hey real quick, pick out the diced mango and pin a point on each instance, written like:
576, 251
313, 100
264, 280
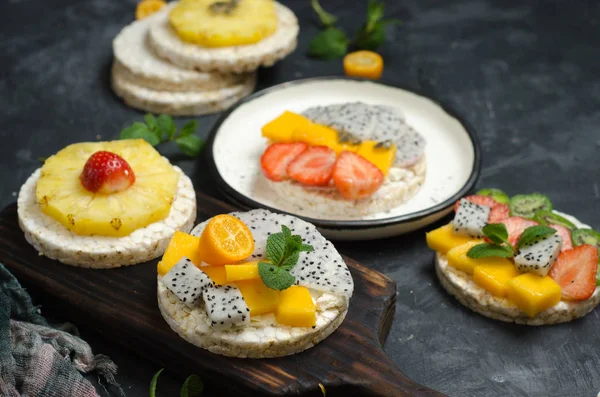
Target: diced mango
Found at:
181, 245
381, 157
259, 298
242, 271
443, 239
296, 307
281, 129
458, 259
216, 274
316, 134
532, 293
494, 275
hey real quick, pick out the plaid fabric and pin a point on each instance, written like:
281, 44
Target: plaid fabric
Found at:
37, 359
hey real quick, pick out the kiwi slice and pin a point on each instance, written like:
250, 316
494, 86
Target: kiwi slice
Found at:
496, 194
585, 236
598, 275
550, 218
526, 205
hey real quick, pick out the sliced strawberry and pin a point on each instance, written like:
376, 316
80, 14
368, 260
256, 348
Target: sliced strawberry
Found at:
515, 226
575, 272
355, 177
565, 234
313, 167
277, 157
499, 213
106, 173
479, 200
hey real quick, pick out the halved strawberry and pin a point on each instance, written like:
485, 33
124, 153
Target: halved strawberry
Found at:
277, 157
106, 172
515, 226
575, 272
499, 213
565, 234
479, 200
355, 177
313, 167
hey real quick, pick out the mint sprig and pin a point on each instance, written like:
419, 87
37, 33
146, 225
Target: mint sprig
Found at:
162, 129
533, 233
327, 19
499, 246
192, 387
283, 252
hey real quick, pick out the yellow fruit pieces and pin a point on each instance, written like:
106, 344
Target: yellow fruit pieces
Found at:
366, 64
533, 294
383, 158
216, 274
296, 307
316, 134
458, 259
495, 275
225, 240
282, 128
241, 271
259, 298
146, 8
443, 239
181, 245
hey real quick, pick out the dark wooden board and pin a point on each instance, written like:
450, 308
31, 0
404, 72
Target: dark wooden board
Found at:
121, 304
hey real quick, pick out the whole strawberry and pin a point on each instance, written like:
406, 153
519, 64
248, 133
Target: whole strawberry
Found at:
106, 173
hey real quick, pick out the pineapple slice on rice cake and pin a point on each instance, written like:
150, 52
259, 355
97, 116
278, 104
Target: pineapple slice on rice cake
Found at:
105, 204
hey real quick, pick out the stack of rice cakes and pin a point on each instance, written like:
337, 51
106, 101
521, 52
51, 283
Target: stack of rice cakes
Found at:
154, 70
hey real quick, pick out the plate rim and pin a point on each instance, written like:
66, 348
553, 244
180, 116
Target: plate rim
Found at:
239, 198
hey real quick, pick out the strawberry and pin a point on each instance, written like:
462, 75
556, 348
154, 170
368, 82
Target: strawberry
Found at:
515, 226
277, 157
106, 172
575, 272
313, 167
499, 213
479, 200
355, 177
563, 232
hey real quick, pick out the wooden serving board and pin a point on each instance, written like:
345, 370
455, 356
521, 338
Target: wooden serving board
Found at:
122, 305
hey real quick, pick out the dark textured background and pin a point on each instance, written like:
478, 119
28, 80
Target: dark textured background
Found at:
526, 76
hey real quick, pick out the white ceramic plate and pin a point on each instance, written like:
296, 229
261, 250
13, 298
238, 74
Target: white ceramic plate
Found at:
452, 153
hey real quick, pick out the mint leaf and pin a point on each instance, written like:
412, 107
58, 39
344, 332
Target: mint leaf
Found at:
374, 13
290, 261
152, 124
140, 131
275, 277
486, 250
496, 232
192, 387
166, 126
153, 383
329, 44
533, 233
276, 244
326, 18
188, 129
370, 38
190, 145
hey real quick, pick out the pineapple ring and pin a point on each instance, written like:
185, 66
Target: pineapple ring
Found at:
53, 240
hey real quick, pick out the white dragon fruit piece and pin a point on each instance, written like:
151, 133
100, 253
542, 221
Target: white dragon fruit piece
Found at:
470, 219
186, 281
225, 306
539, 255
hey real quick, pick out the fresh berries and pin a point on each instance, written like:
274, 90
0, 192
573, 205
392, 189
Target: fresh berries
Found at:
479, 200
499, 213
575, 272
355, 177
516, 226
565, 234
106, 172
313, 167
277, 157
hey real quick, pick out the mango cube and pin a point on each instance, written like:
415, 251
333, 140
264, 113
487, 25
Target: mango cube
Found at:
493, 276
181, 245
533, 294
216, 273
381, 157
458, 259
443, 239
296, 307
281, 129
259, 298
316, 134
242, 271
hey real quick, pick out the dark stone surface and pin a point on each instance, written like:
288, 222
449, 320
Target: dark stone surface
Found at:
525, 75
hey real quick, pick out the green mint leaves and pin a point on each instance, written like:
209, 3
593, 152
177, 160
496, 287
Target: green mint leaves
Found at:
192, 387
161, 129
333, 42
499, 246
283, 252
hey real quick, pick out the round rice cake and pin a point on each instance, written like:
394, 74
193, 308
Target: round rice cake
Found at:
235, 59
178, 103
141, 66
53, 240
461, 285
263, 337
